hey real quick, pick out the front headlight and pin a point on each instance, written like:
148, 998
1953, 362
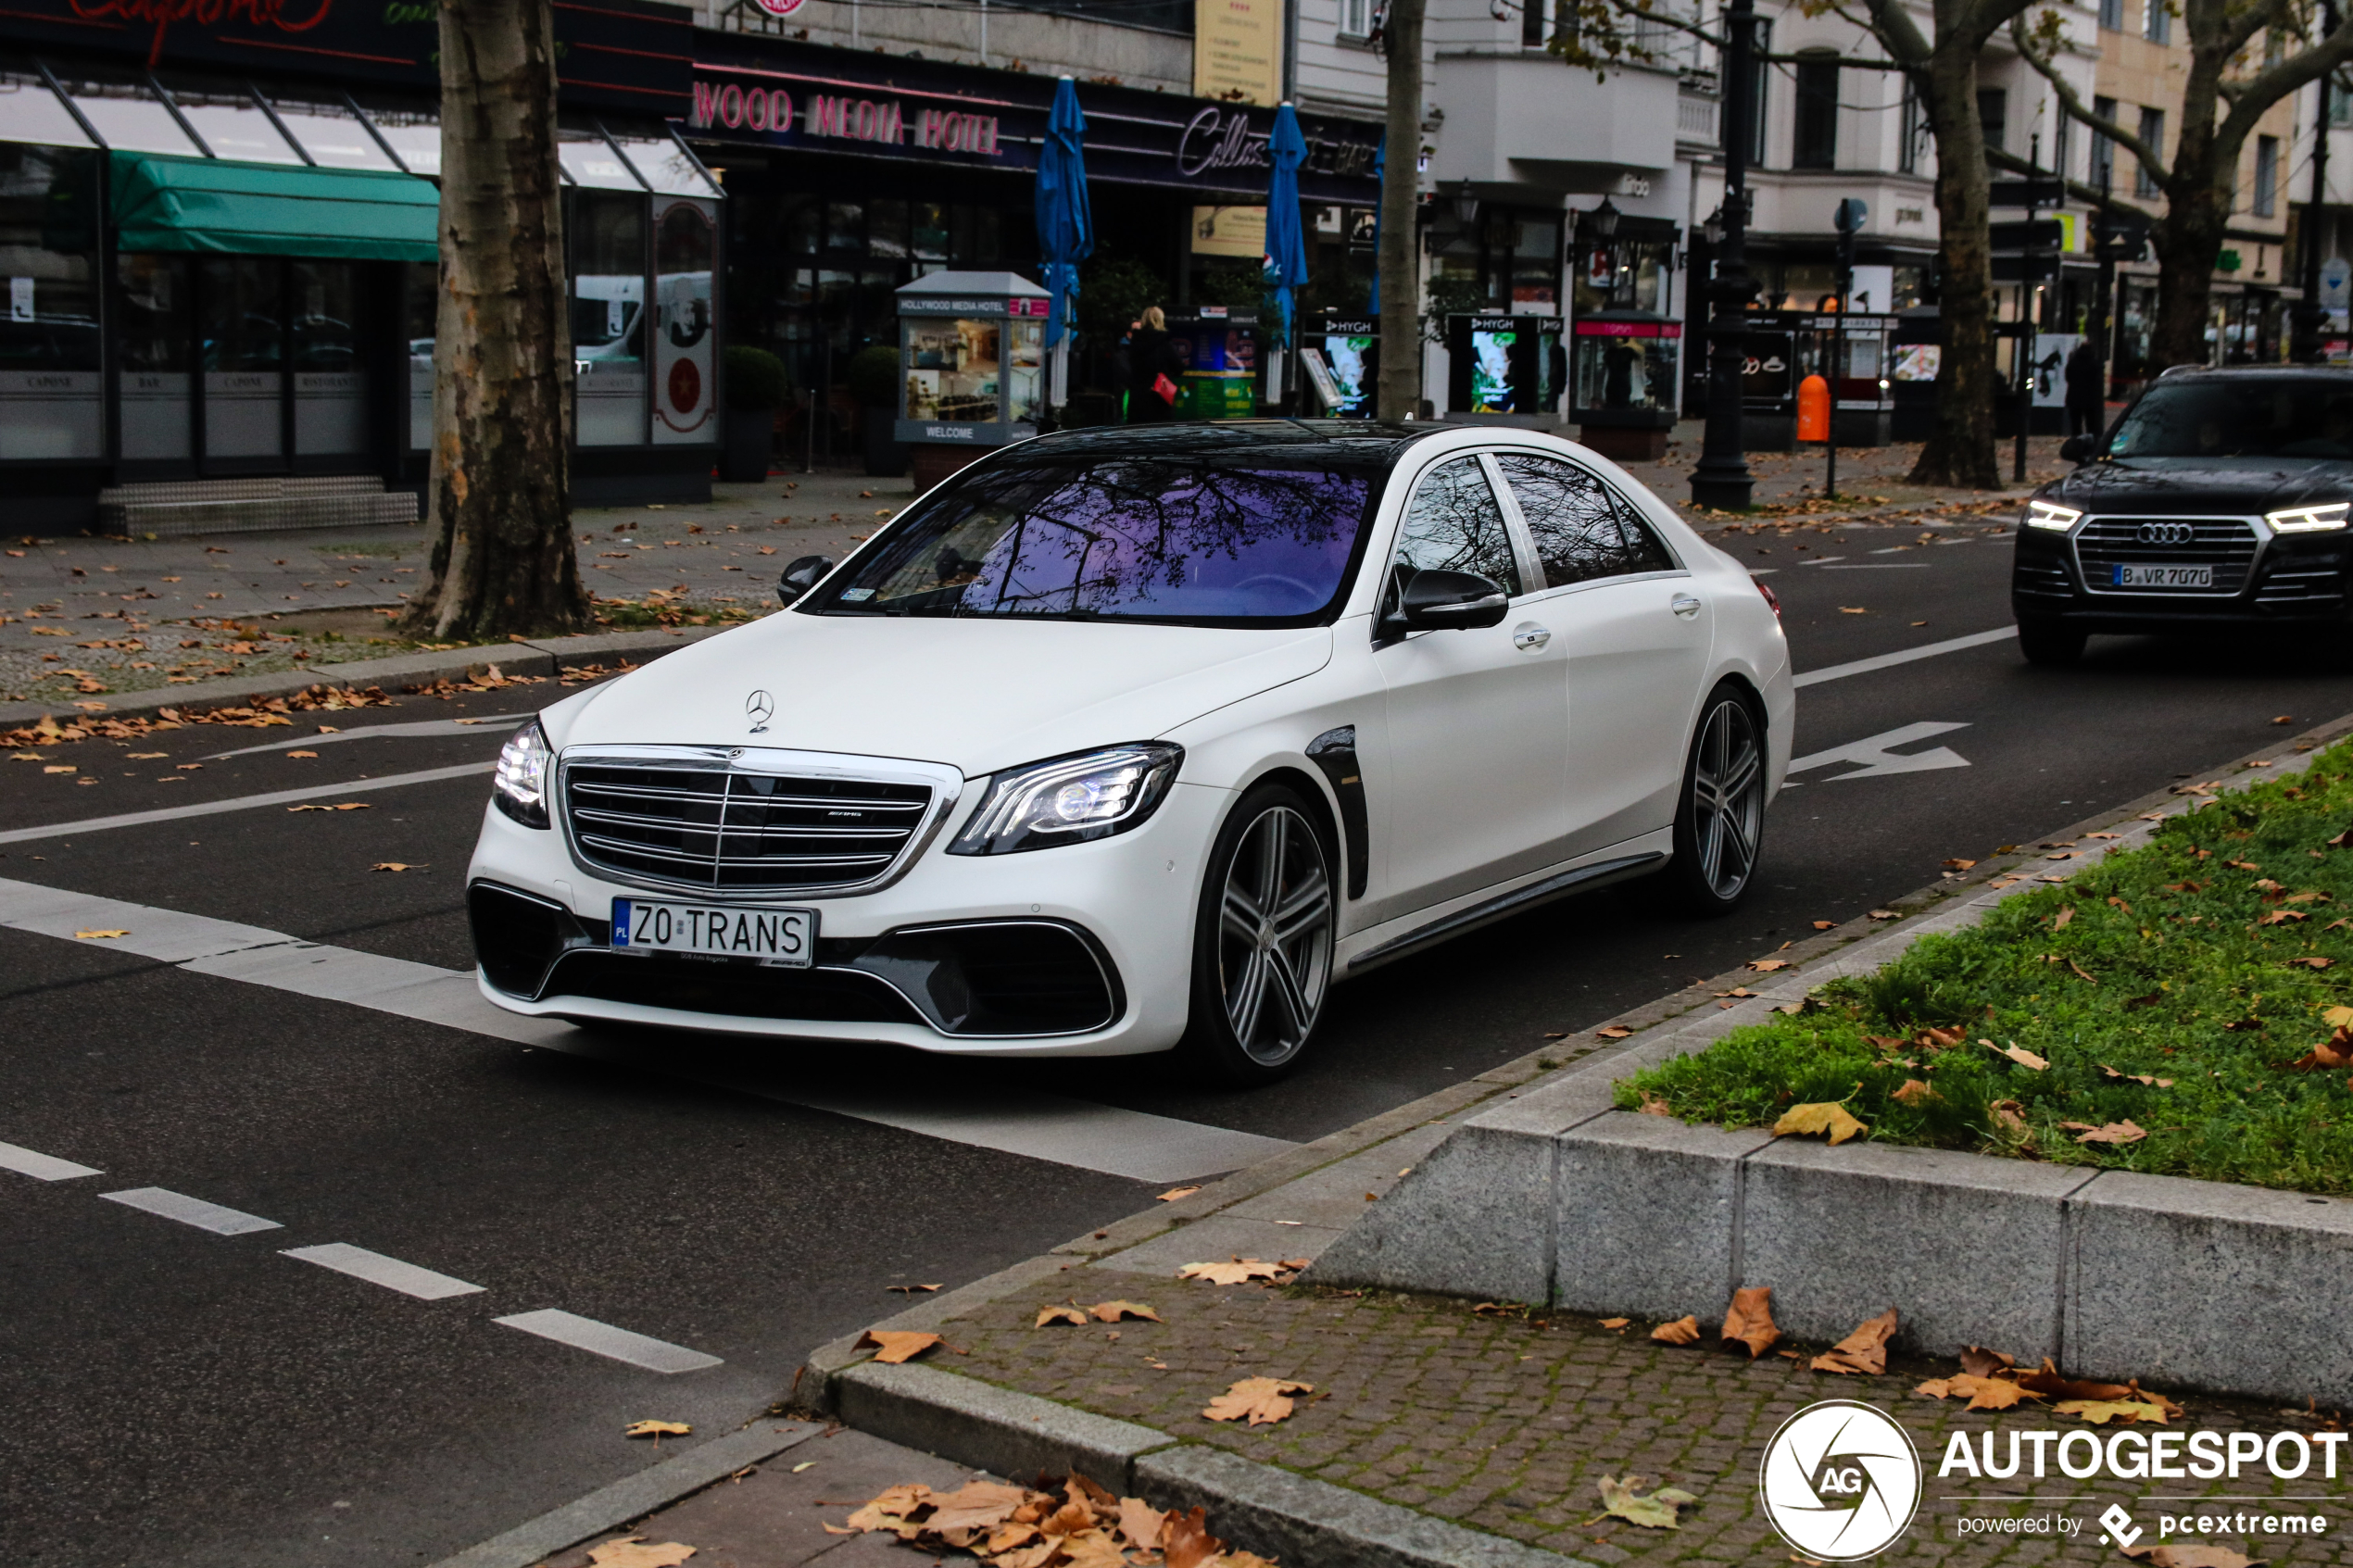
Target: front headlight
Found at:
519, 785
2309, 520
1070, 799
2043, 514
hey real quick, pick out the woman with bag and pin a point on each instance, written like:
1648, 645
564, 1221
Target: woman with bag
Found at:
1152, 369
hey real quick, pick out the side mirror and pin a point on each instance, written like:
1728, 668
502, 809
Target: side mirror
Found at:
1450, 601
801, 576
2076, 449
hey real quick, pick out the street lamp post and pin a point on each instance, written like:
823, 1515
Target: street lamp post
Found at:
1722, 479
2310, 316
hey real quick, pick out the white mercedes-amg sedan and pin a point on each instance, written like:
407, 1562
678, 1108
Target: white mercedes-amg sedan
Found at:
1142, 739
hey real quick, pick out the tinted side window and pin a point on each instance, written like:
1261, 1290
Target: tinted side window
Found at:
1582, 529
1455, 525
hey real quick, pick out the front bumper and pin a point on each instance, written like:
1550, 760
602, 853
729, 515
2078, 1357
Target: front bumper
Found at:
1083, 950
2286, 581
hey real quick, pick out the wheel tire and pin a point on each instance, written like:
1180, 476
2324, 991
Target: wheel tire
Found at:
1719, 819
2049, 642
1259, 984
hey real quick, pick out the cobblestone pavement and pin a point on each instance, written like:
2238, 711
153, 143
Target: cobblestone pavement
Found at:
1507, 1422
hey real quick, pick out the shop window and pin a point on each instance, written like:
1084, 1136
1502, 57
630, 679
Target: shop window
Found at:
420, 302
50, 392
608, 318
127, 115
329, 383
988, 247
1815, 144
930, 238
232, 126
155, 334
845, 226
685, 241
240, 303
887, 229
803, 226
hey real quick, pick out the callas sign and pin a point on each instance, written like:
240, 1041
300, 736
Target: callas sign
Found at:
781, 93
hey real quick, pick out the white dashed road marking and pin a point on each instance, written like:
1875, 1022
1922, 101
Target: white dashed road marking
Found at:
192, 1211
42, 1167
240, 803
588, 1334
377, 1269
491, 725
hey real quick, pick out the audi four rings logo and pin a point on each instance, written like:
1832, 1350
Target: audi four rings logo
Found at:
760, 707
2167, 532
1841, 1481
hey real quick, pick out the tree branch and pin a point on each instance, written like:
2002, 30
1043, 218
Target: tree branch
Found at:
2151, 159
2255, 95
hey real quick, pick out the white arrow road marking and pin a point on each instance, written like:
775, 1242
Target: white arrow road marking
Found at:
1878, 757
423, 727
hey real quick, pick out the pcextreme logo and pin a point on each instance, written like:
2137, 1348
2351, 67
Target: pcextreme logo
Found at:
1841, 1481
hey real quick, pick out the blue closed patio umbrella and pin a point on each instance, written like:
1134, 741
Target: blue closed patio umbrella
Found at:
1066, 226
1286, 241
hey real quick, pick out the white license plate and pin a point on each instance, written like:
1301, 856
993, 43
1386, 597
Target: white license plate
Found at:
778, 936
2164, 576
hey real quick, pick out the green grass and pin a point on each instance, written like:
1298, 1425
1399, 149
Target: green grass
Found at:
2162, 970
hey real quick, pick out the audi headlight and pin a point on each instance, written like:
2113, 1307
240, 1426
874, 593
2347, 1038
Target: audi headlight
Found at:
2309, 520
519, 785
1070, 799
2043, 514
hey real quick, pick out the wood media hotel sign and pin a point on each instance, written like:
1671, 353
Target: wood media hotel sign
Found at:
780, 92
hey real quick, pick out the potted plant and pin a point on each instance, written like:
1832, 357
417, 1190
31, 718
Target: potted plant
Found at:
755, 389
873, 382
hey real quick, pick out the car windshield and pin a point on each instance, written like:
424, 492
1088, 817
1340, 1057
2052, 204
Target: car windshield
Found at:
2276, 416
1196, 539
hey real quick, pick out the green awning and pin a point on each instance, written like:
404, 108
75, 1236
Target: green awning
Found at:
229, 208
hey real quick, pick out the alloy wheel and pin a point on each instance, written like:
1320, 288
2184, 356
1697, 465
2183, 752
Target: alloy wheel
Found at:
1274, 935
1728, 797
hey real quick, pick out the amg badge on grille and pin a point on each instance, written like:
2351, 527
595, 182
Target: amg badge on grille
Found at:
760, 707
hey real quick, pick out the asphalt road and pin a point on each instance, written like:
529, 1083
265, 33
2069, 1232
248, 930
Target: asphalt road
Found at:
181, 1397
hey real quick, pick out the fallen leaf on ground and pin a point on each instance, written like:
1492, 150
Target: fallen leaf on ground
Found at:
1060, 1314
1827, 1117
1185, 1540
1826, 925
1767, 966
2280, 917
1616, 1322
1237, 1271
1853, 609
1958, 865
2313, 963
977, 1505
1683, 1331
912, 1289
636, 1552
2064, 916
394, 866
1173, 1194
1914, 1092
1886, 914
1750, 1320
2099, 1412
2019, 1054
891, 1347
656, 1429
1865, 1350
1615, 1031
1263, 1401
1142, 1524
1982, 1393
2330, 1054
1656, 1511
2136, 1077
1112, 1312
99, 935
2123, 1131
1979, 1361
2011, 1114
302, 754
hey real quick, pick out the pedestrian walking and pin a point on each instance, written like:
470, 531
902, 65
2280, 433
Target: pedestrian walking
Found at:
2086, 390
1152, 369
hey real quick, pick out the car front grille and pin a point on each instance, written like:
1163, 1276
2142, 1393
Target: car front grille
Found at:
2227, 543
714, 825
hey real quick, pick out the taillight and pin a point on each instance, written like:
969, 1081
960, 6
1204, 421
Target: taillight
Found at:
1766, 589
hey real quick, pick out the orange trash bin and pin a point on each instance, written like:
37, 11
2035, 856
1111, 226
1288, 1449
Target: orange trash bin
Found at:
1813, 410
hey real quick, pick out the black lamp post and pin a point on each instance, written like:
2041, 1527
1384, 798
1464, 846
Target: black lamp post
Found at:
1722, 479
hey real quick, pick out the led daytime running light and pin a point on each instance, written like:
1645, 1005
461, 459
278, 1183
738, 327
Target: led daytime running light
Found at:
2043, 514
1069, 799
2308, 520
518, 787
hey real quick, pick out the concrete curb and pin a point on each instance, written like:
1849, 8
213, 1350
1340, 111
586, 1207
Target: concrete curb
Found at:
1558, 1197
543, 657
634, 1497
1000, 1430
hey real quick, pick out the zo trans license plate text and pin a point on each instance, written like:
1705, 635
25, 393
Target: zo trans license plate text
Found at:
778, 937
2164, 576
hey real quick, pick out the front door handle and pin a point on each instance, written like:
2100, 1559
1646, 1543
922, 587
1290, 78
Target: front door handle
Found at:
1527, 636
1684, 605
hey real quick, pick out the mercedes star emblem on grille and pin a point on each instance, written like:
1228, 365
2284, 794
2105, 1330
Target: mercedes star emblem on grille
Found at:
760, 707
2167, 532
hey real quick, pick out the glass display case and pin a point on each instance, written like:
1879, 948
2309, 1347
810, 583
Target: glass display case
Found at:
1624, 381
1504, 365
972, 354
1219, 347
1342, 356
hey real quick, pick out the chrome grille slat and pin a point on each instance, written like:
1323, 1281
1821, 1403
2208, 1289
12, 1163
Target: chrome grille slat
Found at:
2227, 543
731, 829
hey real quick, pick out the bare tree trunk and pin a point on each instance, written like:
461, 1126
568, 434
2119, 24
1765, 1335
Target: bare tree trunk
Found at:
1401, 293
502, 554
2188, 241
1960, 451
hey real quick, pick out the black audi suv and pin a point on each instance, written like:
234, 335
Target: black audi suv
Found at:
2217, 500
